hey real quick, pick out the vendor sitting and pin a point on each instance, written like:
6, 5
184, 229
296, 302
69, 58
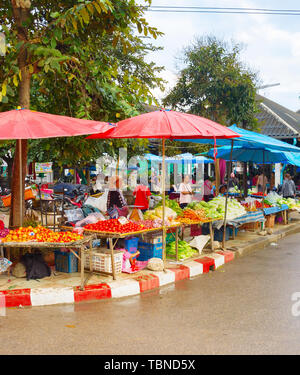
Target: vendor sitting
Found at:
116, 203
223, 190
129, 261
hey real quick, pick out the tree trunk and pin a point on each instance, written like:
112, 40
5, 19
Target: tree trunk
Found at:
20, 16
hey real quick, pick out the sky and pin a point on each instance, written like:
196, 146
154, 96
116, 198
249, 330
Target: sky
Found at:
271, 42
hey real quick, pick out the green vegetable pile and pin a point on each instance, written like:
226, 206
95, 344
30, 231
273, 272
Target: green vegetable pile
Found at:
216, 208
292, 203
184, 249
171, 203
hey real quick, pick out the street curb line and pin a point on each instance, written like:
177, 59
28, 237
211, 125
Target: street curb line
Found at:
116, 288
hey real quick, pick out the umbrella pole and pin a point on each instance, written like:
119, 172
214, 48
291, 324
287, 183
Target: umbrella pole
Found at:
21, 182
164, 198
263, 194
226, 199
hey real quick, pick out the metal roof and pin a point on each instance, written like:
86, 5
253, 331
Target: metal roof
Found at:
278, 121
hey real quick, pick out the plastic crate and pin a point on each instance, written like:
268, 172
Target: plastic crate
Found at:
66, 261
218, 234
148, 251
101, 261
131, 244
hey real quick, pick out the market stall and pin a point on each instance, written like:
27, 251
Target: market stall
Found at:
41, 238
165, 124
248, 143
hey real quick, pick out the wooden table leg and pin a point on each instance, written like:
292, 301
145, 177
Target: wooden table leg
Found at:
211, 231
91, 255
176, 243
82, 255
285, 217
233, 232
111, 246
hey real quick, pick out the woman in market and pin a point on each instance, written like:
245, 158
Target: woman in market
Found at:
288, 188
207, 189
261, 181
186, 192
116, 203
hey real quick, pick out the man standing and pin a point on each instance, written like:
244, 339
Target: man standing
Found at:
288, 188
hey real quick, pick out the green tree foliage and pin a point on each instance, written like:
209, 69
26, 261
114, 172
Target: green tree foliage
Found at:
215, 84
85, 59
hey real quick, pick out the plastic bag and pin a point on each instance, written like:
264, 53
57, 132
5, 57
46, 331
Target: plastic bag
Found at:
74, 215
100, 202
199, 242
90, 219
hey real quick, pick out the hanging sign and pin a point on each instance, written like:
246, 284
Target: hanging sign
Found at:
43, 167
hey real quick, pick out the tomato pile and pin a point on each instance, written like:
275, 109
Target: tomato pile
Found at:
114, 226
258, 204
40, 234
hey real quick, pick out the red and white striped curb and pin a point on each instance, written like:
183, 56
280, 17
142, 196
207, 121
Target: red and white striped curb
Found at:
117, 288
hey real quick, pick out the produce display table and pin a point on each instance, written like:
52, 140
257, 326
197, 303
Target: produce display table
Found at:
201, 222
276, 209
111, 236
284, 208
250, 217
80, 245
257, 196
234, 194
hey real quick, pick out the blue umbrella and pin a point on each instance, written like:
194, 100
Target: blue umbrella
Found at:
258, 156
249, 139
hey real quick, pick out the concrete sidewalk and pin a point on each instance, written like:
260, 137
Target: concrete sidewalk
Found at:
64, 288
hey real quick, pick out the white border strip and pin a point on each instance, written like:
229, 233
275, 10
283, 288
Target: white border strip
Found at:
51, 296
218, 258
196, 268
165, 278
124, 288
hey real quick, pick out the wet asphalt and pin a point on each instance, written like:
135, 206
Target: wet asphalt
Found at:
245, 307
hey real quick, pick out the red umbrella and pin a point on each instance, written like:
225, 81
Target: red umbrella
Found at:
26, 124
167, 124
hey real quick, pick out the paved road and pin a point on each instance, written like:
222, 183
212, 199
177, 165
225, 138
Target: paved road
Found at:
242, 308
